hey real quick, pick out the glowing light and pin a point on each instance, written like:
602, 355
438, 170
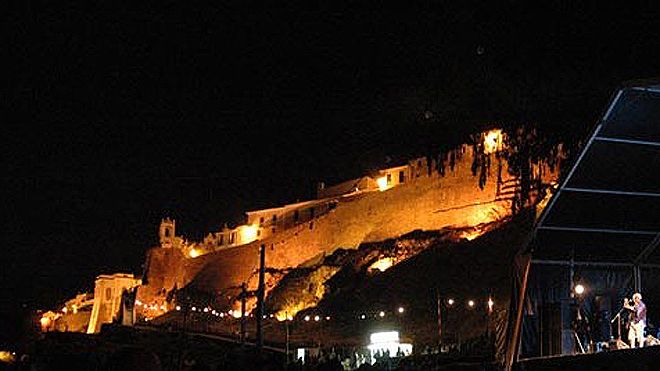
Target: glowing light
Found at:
493, 141
382, 264
307, 318
387, 341
381, 314
327, 318
289, 318
162, 307
193, 309
178, 307
236, 314
382, 183
450, 301
579, 289
384, 337
471, 303
363, 316
248, 233
64, 310
317, 318
491, 303
194, 253
291, 310
401, 310
45, 321
471, 234
7, 357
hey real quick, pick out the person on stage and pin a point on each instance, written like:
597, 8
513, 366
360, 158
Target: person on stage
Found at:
638, 320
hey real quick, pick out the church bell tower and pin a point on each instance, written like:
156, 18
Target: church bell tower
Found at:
166, 232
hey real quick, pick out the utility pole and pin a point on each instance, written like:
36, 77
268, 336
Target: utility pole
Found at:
286, 327
260, 296
243, 317
439, 316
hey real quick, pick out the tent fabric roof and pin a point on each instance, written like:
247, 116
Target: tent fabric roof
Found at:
607, 208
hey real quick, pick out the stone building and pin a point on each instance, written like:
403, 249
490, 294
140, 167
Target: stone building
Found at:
108, 291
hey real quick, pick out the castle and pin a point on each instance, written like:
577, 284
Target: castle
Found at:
468, 186
261, 224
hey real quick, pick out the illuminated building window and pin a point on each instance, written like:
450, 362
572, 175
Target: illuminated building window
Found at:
402, 177
389, 179
108, 294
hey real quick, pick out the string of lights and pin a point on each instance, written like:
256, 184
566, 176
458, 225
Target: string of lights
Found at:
448, 303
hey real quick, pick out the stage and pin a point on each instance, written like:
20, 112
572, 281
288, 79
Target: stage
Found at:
647, 358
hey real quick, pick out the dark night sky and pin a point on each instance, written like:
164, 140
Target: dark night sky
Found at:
122, 114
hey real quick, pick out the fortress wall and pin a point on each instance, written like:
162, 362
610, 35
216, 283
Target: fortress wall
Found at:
427, 203
165, 269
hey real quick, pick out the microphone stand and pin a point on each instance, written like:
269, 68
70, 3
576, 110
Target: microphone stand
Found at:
618, 325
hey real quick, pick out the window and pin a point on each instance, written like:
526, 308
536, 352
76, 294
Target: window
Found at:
389, 178
274, 219
222, 239
108, 294
296, 215
261, 220
312, 212
167, 232
402, 177
231, 237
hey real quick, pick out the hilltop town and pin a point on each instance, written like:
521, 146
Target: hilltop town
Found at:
467, 187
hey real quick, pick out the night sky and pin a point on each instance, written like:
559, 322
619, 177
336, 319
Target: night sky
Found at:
120, 114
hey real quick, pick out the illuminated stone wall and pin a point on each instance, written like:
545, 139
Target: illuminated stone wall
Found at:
426, 202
